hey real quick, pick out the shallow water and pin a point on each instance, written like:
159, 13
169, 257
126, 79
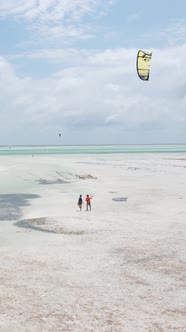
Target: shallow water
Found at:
97, 149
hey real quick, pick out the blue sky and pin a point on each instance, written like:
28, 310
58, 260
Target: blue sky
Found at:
70, 66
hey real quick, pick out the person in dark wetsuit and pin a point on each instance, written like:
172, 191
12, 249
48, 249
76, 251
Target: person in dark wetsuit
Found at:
80, 202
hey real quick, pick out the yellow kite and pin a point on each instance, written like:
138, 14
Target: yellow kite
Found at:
143, 65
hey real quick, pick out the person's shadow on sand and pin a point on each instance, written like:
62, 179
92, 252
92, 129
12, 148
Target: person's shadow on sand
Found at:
11, 204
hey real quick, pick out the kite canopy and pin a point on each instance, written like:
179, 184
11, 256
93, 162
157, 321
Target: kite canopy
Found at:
143, 65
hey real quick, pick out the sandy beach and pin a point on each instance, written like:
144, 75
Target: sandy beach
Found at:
119, 268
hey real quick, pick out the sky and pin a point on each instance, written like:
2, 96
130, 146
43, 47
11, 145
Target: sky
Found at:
69, 67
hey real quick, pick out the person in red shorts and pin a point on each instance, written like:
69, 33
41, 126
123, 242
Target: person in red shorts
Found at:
88, 202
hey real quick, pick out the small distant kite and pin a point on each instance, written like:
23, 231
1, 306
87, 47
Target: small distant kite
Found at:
59, 135
143, 65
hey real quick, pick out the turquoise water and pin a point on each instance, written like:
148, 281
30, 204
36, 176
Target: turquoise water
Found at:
97, 149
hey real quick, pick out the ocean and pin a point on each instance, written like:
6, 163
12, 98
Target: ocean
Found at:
90, 149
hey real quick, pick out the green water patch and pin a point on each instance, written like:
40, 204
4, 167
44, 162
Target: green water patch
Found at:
111, 149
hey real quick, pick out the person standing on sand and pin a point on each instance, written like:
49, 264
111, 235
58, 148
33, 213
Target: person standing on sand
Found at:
88, 202
80, 202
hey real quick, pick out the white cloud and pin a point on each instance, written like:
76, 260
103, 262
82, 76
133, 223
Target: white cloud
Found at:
117, 57
65, 57
63, 31
170, 34
47, 10
54, 18
175, 32
102, 91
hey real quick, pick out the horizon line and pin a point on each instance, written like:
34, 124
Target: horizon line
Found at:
65, 145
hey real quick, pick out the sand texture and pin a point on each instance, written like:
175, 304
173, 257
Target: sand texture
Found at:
118, 268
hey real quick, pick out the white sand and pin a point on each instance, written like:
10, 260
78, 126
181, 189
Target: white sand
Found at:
118, 268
